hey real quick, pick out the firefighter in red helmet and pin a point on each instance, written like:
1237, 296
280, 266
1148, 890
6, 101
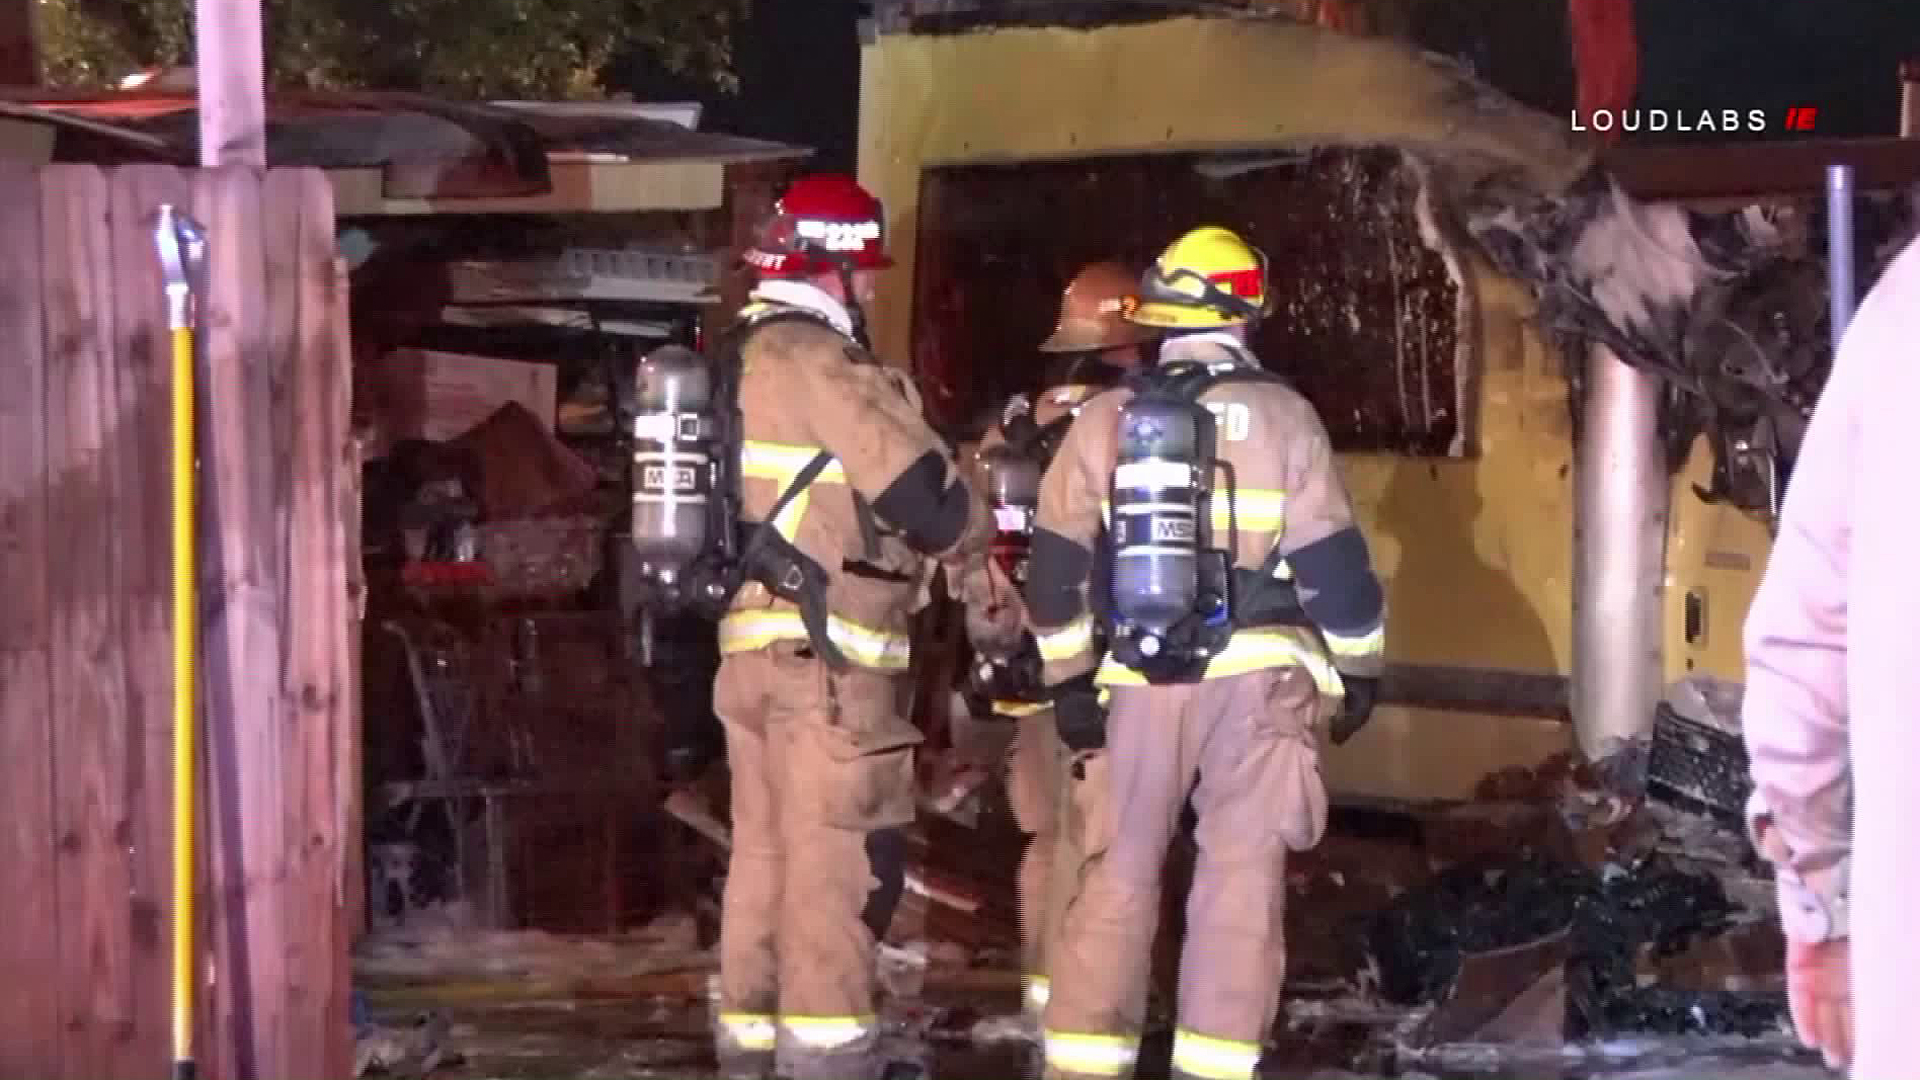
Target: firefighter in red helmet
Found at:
864, 499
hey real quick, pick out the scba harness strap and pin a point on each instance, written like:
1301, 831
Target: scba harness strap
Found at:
1237, 597
765, 555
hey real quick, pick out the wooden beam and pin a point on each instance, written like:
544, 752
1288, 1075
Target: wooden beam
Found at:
231, 77
580, 186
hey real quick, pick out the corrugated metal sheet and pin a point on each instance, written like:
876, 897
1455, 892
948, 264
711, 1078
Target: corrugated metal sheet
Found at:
425, 147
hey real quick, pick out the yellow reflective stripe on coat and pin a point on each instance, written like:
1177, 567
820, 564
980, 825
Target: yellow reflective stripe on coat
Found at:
1250, 650
1252, 509
827, 1032
780, 463
1067, 642
745, 631
1214, 1059
1018, 709
1371, 643
1091, 1055
749, 1031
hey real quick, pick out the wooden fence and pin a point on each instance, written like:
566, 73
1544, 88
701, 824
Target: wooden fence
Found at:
85, 673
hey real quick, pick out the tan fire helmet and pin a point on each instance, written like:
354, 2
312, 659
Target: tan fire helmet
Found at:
1094, 310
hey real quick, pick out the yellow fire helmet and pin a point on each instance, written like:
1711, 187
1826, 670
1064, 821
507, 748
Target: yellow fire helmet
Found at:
1207, 278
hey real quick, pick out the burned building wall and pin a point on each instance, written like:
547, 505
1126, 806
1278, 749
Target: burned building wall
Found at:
1369, 319
1476, 550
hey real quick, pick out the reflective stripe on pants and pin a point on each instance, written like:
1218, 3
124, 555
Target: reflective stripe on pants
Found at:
827, 1032
746, 1031
1208, 1058
1082, 1054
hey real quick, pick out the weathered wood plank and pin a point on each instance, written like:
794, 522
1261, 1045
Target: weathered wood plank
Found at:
315, 686
280, 236
241, 638
348, 872
29, 941
93, 829
352, 729
144, 560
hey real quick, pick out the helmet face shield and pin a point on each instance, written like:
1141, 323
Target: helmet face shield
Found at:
1184, 287
1208, 278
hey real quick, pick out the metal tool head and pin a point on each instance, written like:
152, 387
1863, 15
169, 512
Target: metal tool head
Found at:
182, 244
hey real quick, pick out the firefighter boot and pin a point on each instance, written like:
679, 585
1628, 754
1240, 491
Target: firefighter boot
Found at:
743, 1047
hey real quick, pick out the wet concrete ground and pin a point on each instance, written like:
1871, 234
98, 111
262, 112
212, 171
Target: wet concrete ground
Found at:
490, 1033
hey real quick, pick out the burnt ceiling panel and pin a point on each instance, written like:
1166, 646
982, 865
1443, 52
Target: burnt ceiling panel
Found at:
1368, 317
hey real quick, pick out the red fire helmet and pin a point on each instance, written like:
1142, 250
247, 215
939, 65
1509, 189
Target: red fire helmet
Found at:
821, 224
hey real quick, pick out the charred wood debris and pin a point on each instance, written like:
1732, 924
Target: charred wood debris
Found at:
1552, 907
1729, 309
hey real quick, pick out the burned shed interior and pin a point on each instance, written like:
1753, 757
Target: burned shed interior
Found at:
543, 831
1368, 317
515, 748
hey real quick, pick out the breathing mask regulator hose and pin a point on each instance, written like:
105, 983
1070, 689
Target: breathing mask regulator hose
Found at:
856, 315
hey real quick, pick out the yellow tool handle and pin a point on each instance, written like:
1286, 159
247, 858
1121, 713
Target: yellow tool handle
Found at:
185, 720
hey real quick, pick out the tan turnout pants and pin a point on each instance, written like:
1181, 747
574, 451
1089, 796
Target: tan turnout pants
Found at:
1036, 786
822, 774
1245, 747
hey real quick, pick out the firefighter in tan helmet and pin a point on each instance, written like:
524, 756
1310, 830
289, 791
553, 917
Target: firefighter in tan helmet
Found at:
1240, 612
1097, 343
861, 496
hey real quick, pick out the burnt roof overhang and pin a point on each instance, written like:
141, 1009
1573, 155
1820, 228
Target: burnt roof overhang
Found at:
1759, 170
425, 148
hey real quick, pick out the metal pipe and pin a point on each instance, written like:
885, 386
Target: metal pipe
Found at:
1619, 550
182, 247
1840, 260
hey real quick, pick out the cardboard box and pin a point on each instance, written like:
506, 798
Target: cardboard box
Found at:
441, 395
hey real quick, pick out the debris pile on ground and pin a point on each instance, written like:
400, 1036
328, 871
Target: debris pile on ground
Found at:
1668, 922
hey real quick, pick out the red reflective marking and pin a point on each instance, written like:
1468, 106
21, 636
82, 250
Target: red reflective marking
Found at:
1242, 283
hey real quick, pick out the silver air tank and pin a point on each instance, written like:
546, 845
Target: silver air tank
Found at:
1157, 499
673, 461
1013, 491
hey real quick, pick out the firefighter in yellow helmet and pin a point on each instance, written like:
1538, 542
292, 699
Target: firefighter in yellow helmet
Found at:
1240, 613
1097, 343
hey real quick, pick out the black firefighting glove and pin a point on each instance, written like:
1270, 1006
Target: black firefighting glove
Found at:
1005, 678
1355, 709
1078, 714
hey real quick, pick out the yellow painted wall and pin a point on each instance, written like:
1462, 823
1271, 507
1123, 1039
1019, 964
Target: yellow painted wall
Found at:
1475, 553
1720, 552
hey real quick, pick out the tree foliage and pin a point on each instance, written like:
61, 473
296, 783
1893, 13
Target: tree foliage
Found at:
471, 49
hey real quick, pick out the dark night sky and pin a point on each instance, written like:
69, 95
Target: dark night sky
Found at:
799, 63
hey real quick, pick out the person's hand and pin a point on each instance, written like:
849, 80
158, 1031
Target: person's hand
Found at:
1821, 997
1356, 708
